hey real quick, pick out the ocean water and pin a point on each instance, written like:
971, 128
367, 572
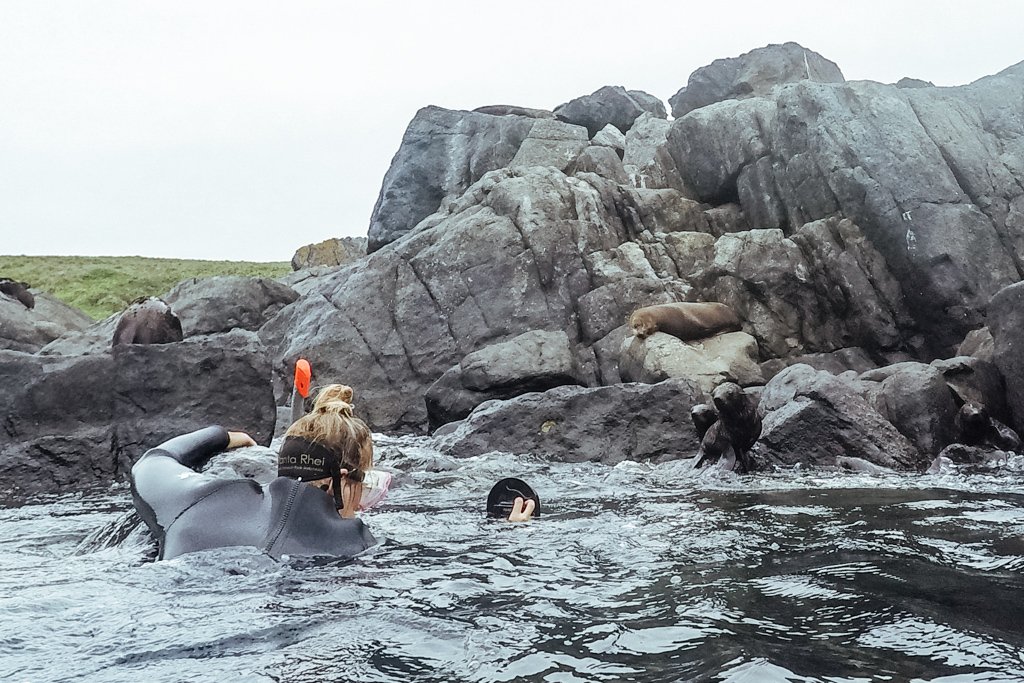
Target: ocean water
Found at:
632, 573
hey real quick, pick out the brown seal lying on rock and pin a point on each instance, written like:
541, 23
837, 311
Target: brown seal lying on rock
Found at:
148, 320
685, 320
19, 291
733, 433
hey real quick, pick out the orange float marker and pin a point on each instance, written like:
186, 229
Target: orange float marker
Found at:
303, 376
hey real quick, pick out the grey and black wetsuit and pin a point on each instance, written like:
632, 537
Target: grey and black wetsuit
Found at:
188, 511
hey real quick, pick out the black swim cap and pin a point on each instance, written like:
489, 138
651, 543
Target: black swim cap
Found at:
308, 461
503, 496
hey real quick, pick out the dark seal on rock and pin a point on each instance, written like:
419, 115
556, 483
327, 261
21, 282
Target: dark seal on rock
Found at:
685, 320
148, 320
19, 291
735, 431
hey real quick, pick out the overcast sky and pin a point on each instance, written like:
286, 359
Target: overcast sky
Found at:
243, 130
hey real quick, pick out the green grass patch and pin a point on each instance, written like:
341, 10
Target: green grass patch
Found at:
103, 285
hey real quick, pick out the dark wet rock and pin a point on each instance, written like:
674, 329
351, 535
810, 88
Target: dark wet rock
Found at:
81, 421
227, 302
917, 401
752, 74
331, 252
534, 361
974, 380
443, 152
30, 329
610, 105
929, 175
574, 424
1006, 321
811, 417
962, 454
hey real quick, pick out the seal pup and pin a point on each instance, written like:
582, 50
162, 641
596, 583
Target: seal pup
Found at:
147, 320
733, 434
684, 320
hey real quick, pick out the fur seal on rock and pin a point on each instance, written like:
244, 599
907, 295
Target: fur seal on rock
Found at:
734, 433
19, 291
684, 320
148, 320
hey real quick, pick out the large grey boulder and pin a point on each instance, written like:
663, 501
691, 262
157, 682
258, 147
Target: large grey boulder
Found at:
1006, 322
915, 398
730, 357
575, 424
646, 158
752, 74
30, 329
610, 105
534, 361
928, 175
227, 302
443, 152
76, 422
811, 417
974, 380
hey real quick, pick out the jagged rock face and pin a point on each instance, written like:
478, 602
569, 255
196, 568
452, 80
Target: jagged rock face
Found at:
30, 329
227, 302
751, 75
976, 381
443, 152
1006, 321
83, 420
931, 176
610, 105
574, 424
646, 158
814, 418
331, 252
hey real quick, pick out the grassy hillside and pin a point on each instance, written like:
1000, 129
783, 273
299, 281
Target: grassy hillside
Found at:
102, 285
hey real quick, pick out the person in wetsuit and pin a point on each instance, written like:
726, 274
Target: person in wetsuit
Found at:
309, 509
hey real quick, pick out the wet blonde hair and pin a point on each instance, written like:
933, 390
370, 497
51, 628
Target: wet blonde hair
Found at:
332, 424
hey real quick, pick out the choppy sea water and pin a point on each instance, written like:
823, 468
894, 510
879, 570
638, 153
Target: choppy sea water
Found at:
632, 573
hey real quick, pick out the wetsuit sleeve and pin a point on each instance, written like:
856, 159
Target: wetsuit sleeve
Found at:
165, 481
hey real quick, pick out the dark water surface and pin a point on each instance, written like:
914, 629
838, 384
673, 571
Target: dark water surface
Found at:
633, 573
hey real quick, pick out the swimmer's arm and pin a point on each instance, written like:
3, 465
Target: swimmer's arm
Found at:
193, 449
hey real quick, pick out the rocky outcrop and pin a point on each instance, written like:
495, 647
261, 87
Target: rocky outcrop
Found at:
227, 302
611, 105
753, 74
443, 152
814, 418
73, 422
574, 424
930, 175
30, 329
915, 399
730, 357
534, 361
331, 252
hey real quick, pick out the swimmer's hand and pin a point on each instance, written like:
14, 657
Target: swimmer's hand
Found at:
522, 511
239, 440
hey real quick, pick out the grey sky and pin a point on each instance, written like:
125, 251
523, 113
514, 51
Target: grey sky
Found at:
245, 129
